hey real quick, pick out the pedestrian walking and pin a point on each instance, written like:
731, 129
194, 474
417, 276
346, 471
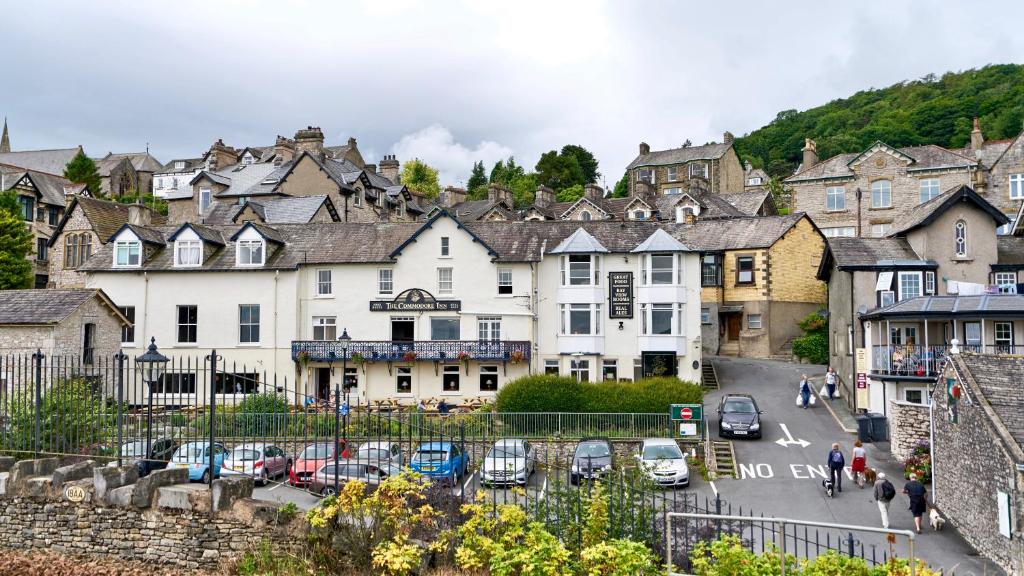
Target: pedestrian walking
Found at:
830, 382
918, 495
860, 462
836, 463
805, 391
884, 493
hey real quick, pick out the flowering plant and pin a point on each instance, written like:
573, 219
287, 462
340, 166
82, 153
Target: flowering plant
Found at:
409, 356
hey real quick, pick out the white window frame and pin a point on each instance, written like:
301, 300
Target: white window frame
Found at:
672, 191
1016, 186
550, 363
754, 322
647, 318
324, 287
594, 311
899, 284
639, 215
245, 247
929, 282
1004, 279
445, 280
385, 280
929, 188
580, 369
881, 230
325, 324
880, 191
835, 199
488, 328
886, 298
183, 247
488, 371
699, 169
922, 390
613, 364
645, 175
128, 246
593, 270
672, 173
446, 247
357, 198
504, 281
1007, 228
960, 246
755, 181
839, 232
648, 271
205, 196
995, 333
249, 324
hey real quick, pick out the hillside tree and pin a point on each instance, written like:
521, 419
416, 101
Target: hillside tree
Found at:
15, 245
82, 170
421, 177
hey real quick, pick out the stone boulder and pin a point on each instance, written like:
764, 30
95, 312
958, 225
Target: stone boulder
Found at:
226, 491
146, 487
106, 479
78, 471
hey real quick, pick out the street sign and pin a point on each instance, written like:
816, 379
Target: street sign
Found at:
862, 380
620, 295
687, 412
861, 360
343, 409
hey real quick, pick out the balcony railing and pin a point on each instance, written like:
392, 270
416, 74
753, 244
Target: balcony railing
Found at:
430, 350
925, 361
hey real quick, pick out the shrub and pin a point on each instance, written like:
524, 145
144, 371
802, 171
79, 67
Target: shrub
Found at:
547, 393
919, 462
813, 345
72, 419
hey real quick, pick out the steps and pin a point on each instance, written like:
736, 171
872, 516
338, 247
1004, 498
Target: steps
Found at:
729, 349
785, 353
724, 459
709, 376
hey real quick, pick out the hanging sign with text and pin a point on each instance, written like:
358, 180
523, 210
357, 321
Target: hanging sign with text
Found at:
620, 294
415, 300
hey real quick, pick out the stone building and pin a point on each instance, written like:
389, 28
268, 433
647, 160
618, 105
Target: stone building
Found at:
1002, 167
978, 453
73, 323
175, 176
712, 167
127, 173
42, 198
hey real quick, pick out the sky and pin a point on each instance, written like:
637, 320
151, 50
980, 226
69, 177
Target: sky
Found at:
453, 82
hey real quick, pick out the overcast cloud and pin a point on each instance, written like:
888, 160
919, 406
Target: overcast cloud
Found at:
455, 82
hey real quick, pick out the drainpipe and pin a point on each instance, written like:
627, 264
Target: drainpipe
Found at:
277, 274
859, 194
534, 330
853, 339
145, 306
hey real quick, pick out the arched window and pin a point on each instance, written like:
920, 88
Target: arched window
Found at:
961, 238
71, 251
585, 215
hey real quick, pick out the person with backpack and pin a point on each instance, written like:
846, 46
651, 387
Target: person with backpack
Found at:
884, 494
805, 392
836, 463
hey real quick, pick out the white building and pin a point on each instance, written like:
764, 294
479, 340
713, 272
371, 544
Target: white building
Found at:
434, 309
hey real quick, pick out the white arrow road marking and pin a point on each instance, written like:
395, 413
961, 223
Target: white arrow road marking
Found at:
784, 442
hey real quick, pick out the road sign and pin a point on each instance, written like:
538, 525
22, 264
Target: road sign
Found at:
861, 360
862, 380
688, 412
343, 409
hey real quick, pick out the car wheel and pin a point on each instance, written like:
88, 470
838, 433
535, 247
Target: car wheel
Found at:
262, 479
206, 476
328, 491
287, 469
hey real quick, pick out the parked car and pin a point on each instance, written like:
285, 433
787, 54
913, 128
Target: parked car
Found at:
663, 462
509, 461
312, 458
370, 473
390, 452
259, 460
738, 415
196, 457
440, 460
135, 453
592, 460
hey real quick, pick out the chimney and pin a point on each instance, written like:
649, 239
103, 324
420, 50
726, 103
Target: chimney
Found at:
727, 137
644, 149
593, 192
977, 139
810, 151
284, 150
139, 215
497, 193
544, 197
747, 166
452, 195
389, 168
311, 140
371, 168
222, 155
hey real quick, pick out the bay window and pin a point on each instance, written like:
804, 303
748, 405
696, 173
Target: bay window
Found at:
661, 269
581, 319
581, 270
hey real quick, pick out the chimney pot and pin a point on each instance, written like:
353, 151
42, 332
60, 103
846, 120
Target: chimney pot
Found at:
644, 149
452, 196
544, 197
139, 215
389, 168
977, 138
810, 151
727, 137
593, 192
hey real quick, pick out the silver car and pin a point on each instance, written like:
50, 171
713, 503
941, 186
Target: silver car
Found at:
261, 461
663, 462
383, 452
370, 474
509, 461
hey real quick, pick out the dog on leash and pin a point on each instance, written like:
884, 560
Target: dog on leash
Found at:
870, 476
829, 488
935, 519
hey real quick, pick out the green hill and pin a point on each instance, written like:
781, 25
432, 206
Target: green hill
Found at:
931, 110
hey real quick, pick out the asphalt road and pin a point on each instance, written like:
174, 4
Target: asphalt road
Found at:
784, 480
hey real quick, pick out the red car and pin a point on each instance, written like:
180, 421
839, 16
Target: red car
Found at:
312, 458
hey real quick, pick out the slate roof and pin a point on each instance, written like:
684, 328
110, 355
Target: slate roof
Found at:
680, 155
923, 214
106, 217
579, 242
997, 378
51, 188
989, 305
1010, 250
990, 151
747, 202
734, 233
660, 241
756, 173
141, 161
190, 165
49, 161
205, 233
50, 306
711, 205
858, 252
929, 157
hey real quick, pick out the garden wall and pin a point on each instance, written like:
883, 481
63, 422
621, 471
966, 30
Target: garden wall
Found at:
908, 425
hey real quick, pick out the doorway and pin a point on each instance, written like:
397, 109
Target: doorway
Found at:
323, 384
403, 329
732, 327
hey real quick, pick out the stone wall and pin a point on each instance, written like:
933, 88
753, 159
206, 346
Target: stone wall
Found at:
60, 276
159, 519
908, 425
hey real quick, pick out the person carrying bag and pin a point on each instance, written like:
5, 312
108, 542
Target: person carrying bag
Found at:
804, 398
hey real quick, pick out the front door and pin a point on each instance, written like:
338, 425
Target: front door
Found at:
732, 323
323, 384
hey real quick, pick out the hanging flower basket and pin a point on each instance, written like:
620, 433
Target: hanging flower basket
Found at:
464, 356
409, 356
303, 358
516, 357
358, 359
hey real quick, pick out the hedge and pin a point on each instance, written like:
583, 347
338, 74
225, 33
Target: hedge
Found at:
548, 393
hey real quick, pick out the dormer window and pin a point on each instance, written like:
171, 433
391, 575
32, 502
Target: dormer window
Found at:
204, 199
639, 215
247, 160
127, 253
179, 165
250, 252
585, 215
756, 180
188, 252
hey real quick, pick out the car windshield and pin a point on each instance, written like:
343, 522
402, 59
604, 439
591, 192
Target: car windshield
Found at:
431, 455
666, 451
191, 453
373, 454
592, 450
507, 451
245, 454
134, 449
317, 452
738, 406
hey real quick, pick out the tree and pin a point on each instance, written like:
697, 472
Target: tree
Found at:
621, 189
82, 170
15, 245
570, 194
586, 161
478, 178
419, 176
557, 171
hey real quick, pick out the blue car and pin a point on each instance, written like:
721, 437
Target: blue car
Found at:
196, 457
440, 460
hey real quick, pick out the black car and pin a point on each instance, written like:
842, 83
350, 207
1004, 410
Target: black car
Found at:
738, 416
159, 455
592, 460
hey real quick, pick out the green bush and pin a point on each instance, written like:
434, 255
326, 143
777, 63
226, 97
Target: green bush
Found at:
813, 347
547, 393
73, 419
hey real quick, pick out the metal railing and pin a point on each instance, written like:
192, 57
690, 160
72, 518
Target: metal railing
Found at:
396, 351
926, 361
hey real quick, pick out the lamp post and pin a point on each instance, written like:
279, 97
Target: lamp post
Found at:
344, 339
151, 365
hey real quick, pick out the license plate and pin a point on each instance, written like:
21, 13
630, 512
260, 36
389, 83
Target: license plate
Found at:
429, 468
740, 432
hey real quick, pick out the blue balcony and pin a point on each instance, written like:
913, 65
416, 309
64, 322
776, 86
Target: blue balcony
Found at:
426, 350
